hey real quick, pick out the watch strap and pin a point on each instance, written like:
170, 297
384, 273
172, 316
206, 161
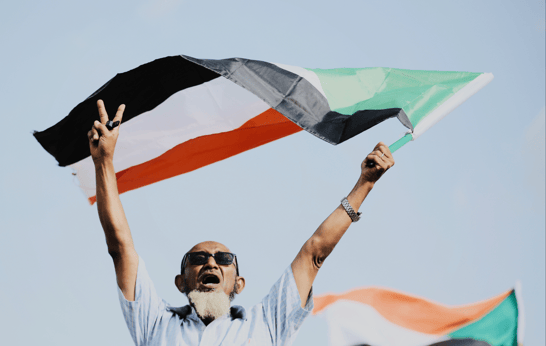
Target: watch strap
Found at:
350, 211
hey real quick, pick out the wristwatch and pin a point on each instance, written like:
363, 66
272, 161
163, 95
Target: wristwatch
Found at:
352, 214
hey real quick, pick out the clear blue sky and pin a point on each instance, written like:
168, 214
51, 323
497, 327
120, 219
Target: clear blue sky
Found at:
460, 218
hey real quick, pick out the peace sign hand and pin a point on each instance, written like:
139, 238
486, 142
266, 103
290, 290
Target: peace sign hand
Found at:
102, 140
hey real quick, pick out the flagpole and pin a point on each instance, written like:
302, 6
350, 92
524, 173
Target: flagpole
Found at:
400, 143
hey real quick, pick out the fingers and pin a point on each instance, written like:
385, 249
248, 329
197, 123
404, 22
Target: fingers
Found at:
379, 145
90, 136
384, 150
119, 113
380, 157
102, 112
99, 128
384, 154
104, 120
93, 134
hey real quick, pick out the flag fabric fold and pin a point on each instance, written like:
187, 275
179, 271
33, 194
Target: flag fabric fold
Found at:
376, 317
184, 113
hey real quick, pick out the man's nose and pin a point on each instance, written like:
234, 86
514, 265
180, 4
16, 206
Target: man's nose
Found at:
211, 263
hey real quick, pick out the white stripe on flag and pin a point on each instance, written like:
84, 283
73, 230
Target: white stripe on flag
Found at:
213, 107
450, 104
351, 323
310, 76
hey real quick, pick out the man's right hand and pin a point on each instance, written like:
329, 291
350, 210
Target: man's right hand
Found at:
102, 142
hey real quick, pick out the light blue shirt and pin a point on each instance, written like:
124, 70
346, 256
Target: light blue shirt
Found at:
274, 321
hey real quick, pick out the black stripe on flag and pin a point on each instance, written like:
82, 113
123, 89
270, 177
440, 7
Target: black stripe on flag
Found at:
141, 89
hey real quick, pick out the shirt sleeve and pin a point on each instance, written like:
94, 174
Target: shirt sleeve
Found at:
141, 315
282, 309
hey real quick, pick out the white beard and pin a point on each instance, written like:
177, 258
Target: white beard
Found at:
210, 304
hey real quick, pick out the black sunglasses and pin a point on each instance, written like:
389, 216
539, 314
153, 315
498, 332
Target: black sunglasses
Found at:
201, 257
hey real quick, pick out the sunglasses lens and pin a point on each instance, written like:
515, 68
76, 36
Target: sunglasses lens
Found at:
223, 258
197, 258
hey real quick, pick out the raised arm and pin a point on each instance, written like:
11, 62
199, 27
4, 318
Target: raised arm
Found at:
315, 250
102, 143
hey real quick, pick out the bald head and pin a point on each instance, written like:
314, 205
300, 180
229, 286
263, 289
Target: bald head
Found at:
209, 246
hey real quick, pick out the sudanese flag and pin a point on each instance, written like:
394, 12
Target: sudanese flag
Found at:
382, 317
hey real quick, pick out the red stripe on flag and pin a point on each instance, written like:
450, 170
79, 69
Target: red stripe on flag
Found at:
202, 151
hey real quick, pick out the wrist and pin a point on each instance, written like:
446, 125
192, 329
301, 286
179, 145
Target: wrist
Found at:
103, 162
359, 193
363, 184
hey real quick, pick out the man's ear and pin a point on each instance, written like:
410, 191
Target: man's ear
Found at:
240, 284
179, 283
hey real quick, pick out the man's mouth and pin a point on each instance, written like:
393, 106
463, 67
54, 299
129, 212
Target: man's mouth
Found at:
210, 280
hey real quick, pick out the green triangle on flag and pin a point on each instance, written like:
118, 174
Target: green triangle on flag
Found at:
499, 327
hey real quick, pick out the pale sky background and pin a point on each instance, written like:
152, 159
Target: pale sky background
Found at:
459, 219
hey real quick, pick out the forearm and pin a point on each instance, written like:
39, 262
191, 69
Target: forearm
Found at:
111, 214
315, 250
330, 232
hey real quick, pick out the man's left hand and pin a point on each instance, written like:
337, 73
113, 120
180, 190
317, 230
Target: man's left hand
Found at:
382, 158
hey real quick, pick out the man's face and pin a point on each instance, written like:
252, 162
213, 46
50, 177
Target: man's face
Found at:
210, 276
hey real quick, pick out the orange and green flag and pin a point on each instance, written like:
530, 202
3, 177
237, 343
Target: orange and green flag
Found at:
380, 317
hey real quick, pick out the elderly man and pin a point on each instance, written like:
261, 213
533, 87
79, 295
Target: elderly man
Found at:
209, 274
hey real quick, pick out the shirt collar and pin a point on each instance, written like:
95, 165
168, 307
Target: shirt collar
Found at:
186, 311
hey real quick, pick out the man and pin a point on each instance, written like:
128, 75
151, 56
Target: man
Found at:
209, 273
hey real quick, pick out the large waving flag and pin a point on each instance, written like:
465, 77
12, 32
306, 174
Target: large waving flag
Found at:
184, 113
382, 317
